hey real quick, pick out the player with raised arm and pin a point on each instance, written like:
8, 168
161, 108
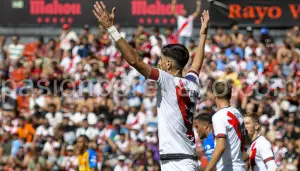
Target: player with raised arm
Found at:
185, 22
228, 132
261, 156
176, 95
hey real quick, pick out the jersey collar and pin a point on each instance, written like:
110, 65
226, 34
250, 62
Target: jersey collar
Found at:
257, 137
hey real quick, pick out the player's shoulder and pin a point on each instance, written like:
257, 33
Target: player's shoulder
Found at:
262, 140
234, 110
163, 73
226, 110
193, 77
223, 111
220, 114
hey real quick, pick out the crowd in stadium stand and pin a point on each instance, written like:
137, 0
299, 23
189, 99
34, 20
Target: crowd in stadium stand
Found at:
78, 84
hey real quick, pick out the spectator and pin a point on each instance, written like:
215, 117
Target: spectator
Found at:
121, 166
54, 160
54, 117
36, 162
25, 130
236, 37
69, 63
222, 39
67, 35
6, 148
85, 47
185, 22
156, 51
3, 51
44, 130
153, 38
86, 33
170, 36
70, 162
15, 49
86, 130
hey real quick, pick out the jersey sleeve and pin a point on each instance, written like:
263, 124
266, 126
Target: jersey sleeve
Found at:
191, 17
219, 126
92, 159
162, 78
192, 76
266, 152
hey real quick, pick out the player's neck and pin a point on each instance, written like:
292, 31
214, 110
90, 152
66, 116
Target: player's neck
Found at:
208, 132
222, 103
176, 73
255, 135
83, 151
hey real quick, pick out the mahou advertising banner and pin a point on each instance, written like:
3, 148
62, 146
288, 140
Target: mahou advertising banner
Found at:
48, 13
271, 13
79, 12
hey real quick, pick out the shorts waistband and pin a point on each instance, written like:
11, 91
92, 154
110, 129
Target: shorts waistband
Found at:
177, 156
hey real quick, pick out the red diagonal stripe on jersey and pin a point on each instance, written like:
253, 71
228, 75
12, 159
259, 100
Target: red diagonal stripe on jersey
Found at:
184, 103
183, 26
252, 155
234, 122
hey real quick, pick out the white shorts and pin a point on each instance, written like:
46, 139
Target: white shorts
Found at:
232, 168
180, 165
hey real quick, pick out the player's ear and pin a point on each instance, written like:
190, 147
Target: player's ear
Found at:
257, 127
206, 125
169, 65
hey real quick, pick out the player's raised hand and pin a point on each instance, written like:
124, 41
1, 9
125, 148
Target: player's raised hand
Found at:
105, 18
204, 22
198, 2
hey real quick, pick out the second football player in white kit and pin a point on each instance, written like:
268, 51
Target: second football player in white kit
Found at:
228, 131
261, 156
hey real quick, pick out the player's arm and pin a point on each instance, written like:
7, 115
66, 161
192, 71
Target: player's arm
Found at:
268, 156
219, 125
131, 56
197, 12
198, 60
219, 150
173, 8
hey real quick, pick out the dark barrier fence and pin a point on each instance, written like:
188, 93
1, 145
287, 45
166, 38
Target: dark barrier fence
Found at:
41, 13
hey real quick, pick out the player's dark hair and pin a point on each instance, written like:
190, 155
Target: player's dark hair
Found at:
17, 36
187, 10
222, 89
206, 117
253, 117
52, 105
170, 28
41, 39
178, 53
86, 138
156, 29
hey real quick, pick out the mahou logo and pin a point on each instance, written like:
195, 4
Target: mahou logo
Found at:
41, 8
141, 7
157, 10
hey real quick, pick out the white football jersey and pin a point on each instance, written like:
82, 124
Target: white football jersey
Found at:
260, 152
228, 123
176, 99
185, 25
